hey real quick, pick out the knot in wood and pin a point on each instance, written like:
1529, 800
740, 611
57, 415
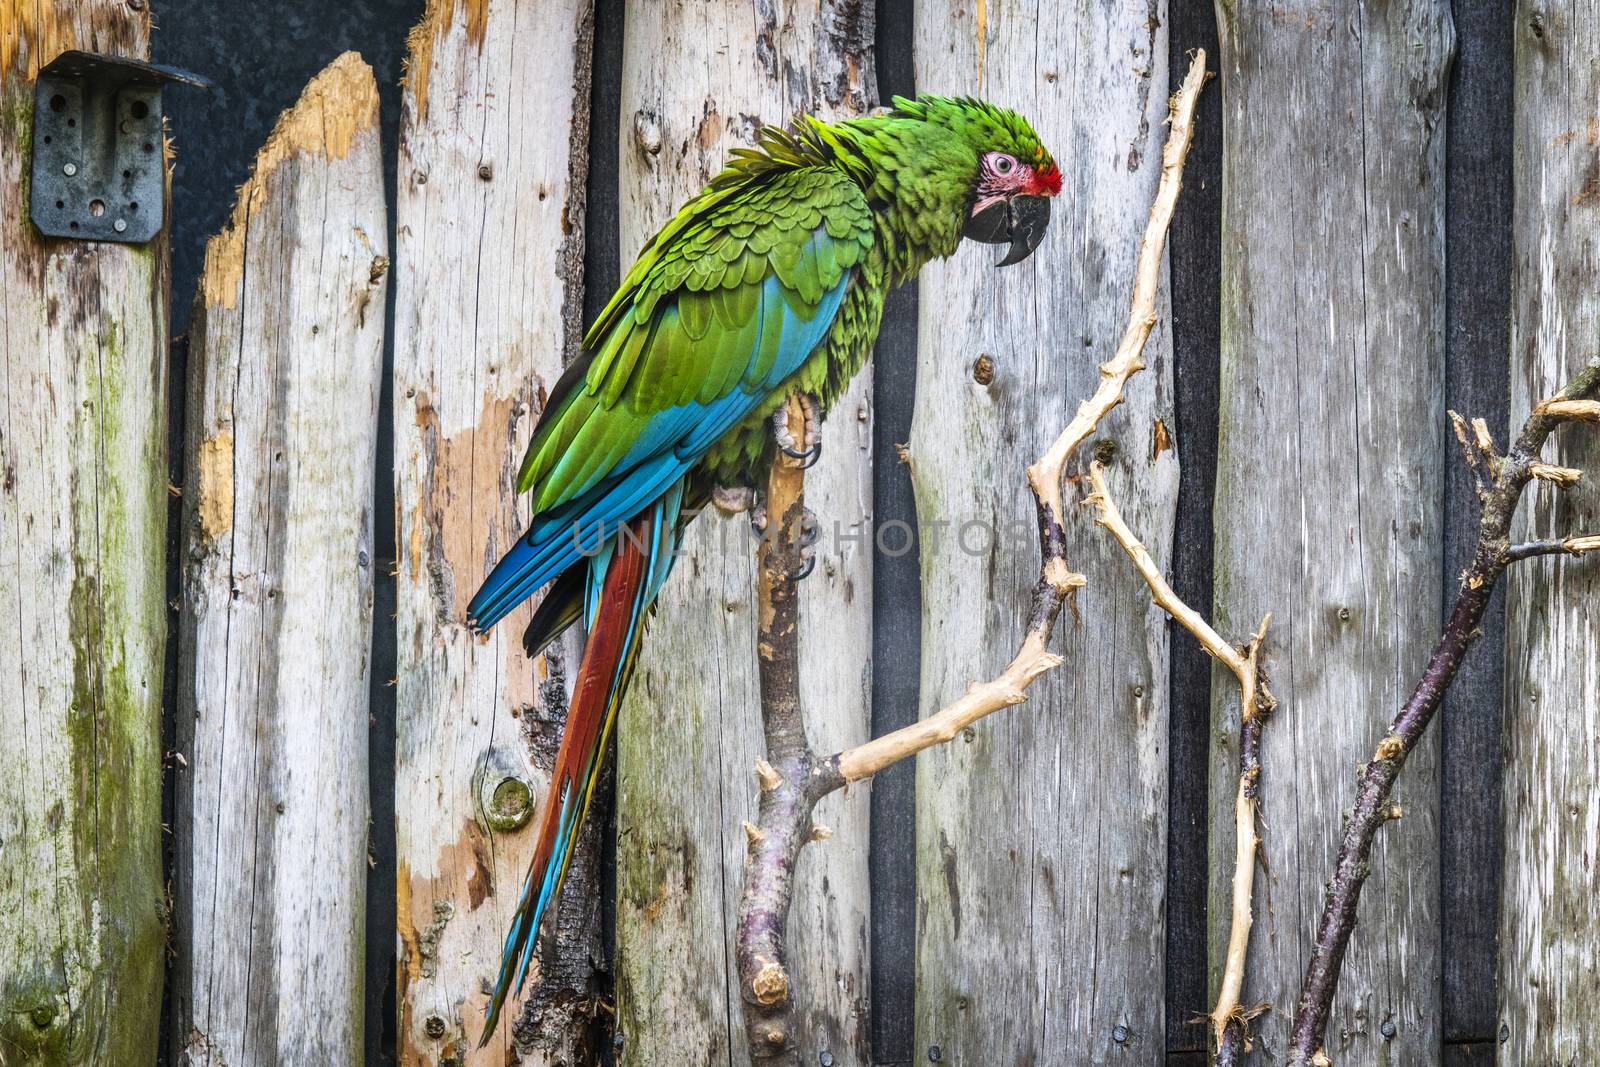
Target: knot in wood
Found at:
510, 804
771, 986
983, 369
647, 134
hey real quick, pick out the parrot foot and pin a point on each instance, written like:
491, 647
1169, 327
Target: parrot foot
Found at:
734, 499
809, 450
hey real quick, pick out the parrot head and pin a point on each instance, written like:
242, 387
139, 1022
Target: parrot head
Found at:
1010, 174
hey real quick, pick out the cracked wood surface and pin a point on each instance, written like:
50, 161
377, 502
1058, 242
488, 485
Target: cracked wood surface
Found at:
699, 79
1549, 990
83, 503
1330, 473
492, 159
285, 365
1042, 832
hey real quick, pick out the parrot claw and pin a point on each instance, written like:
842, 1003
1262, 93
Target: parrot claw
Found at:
810, 529
812, 441
810, 534
758, 520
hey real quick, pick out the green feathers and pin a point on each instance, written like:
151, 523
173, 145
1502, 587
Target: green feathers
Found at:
860, 204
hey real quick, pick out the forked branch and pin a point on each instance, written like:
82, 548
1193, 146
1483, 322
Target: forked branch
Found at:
1501, 482
1045, 476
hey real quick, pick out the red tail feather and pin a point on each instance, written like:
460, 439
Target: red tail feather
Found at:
612, 636
602, 656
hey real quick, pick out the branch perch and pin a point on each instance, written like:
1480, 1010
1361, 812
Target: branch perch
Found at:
1230, 1021
1506, 478
1045, 476
792, 778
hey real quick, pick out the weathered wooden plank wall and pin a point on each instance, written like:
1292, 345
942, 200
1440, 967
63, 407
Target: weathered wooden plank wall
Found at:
1042, 833
699, 79
285, 363
83, 460
1550, 929
1330, 473
1313, 91
490, 233
219, 132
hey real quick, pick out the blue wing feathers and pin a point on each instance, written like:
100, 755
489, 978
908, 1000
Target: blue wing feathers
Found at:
675, 441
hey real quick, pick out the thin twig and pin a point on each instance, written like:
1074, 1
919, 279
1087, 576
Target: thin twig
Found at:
1229, 1019
1474, 457
1571, 546
1575, 402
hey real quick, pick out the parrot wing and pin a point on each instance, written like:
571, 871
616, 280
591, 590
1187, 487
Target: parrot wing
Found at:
723, 305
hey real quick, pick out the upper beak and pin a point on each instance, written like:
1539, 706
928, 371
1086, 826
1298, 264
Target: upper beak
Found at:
1021, 221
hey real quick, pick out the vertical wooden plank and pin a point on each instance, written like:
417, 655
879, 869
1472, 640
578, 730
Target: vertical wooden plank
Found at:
286, 357
492, 165
1477, 383
699, 79
1042, 832
83, 460
1329, 479
1549, 930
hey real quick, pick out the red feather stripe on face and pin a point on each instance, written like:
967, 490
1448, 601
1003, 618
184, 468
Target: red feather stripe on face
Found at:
1045, 181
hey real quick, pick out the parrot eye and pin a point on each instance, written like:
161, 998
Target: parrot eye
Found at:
1002, 164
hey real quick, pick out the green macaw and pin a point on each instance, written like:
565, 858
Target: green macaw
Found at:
769, 283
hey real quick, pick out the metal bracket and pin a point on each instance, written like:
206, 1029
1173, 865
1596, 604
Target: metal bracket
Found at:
98, 170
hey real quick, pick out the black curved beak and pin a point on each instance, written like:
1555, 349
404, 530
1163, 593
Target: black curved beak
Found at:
1020, 221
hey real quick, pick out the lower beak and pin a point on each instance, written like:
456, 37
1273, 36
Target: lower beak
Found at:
1019, 221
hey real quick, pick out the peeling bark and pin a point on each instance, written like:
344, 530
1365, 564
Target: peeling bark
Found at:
493, 153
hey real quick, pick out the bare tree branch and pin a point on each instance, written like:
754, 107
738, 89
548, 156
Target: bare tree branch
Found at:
792, 778
1576, 402
1571, 546
1045, 476
1230, 1020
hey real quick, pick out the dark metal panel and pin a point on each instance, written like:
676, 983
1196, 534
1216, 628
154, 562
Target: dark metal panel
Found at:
97, 172
1196, 265
1477, 336
896, 623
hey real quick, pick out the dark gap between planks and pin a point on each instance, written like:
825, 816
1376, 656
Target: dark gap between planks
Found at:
1195, 259
896, 625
